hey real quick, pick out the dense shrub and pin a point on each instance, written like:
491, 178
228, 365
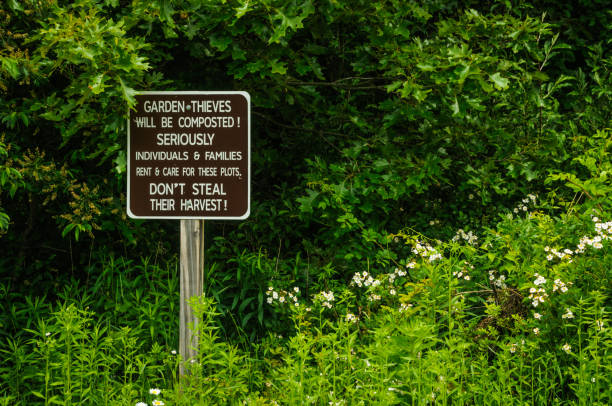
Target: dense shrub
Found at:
431, 197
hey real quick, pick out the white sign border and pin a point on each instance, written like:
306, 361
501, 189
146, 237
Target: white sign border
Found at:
194, 92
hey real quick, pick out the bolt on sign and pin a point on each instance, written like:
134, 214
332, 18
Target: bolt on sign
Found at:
189, 155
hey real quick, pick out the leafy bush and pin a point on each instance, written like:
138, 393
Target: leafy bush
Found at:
517, 314
430, 207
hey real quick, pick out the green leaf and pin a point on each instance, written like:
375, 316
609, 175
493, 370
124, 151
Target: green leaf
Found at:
306, 203
463, 72
484, 84
394, 86
38, 394
381, 163
242, 10
97, 85
500, 82
4, 221
278, 67
14, 4
455, 108
220, 42
11, 66
128, 93
425, 67
120, 162
67, 229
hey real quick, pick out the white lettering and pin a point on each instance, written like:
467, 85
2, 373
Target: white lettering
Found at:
165, 188
162, 204
207, 189
164, 106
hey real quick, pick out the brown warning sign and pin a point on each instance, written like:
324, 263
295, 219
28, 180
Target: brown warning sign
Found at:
189, 155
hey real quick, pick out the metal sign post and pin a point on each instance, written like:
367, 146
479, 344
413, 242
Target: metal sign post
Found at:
192, 278
189, 159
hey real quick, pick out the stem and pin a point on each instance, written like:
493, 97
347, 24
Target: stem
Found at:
68, 387
450, 305
47, 376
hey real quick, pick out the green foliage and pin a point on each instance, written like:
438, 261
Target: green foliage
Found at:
380, 131
366, 115
519, 314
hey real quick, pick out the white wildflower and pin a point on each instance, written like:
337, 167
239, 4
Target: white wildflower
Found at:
568, 314
404, 307
540, 280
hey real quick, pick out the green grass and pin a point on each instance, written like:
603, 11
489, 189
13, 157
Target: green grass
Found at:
428, 335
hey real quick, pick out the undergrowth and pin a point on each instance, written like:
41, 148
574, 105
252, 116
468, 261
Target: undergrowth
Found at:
517, 315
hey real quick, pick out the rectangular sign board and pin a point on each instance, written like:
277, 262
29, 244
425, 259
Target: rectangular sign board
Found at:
189, 155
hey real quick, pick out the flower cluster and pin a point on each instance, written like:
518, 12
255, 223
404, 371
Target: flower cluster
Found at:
513, 347
398, 273
568, 314
540, 280
364, 279
283, 296
524, 205
425, 250
604, 232
537, 296
498, 282
558, 284
594, 242
469, 237
351, 318
463, 273
156, 402
566, 254
405, 307
567, 348
326, 298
